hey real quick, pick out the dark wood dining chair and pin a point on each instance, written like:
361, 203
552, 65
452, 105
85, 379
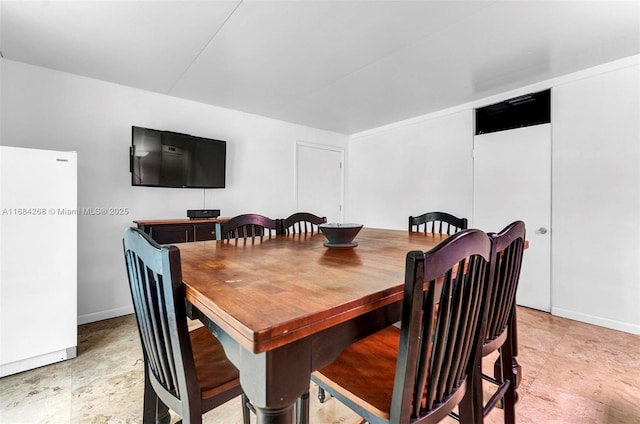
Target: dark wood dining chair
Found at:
301, 223
437, 223
420, 372
248, 226
187, 372
499, 330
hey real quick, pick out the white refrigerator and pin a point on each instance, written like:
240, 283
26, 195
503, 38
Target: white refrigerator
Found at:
38, 258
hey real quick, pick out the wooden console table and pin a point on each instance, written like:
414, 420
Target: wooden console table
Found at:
169, 231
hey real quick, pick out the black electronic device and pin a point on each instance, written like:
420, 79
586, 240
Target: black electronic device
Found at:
169, 159
203, 213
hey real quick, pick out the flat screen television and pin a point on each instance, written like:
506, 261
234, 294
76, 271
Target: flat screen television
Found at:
170, 159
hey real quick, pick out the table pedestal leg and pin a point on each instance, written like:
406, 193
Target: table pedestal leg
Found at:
272, 380
302, 409
275, 380
276, 416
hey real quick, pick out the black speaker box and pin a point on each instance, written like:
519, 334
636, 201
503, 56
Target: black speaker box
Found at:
203, 213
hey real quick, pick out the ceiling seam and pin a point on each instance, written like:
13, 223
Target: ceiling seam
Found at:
203, 49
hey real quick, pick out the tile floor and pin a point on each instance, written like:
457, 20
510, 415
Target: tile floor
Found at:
572, 373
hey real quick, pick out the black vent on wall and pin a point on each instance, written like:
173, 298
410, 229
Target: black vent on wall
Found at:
523, 111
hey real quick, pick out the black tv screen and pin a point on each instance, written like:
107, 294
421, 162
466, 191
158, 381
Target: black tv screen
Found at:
170, 159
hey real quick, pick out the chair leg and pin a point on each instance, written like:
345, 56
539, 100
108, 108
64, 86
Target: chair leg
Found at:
470, 408
509, 399
513, 334
322, 395
517, 368
246, 416
150, 401
154, 411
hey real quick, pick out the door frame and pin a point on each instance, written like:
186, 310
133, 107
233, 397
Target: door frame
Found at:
299, 144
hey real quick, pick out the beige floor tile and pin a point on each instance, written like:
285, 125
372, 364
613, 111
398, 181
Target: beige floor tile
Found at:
20, 390
572, 373
115, 399
46, 410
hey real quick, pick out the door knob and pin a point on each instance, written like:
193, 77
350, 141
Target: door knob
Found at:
542, 230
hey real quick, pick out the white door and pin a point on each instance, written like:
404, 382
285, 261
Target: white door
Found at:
512, 181
319, 182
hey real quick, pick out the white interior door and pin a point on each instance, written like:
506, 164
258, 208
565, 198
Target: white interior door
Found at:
512, 181
320, 180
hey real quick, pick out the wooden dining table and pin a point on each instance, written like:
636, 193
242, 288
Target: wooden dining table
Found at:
284, 306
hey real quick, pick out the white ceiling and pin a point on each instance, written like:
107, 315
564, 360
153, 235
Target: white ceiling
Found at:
344, 66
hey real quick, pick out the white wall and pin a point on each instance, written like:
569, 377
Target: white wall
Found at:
47, 109
596, 199
411, 169
425, 164
596, 175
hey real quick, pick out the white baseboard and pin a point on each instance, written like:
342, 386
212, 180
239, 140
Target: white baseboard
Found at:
627, 327
102, 315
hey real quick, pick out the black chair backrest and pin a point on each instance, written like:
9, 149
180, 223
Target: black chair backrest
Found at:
248, 226
506, 260
155, 279
437, 223
301, 223
440, 326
